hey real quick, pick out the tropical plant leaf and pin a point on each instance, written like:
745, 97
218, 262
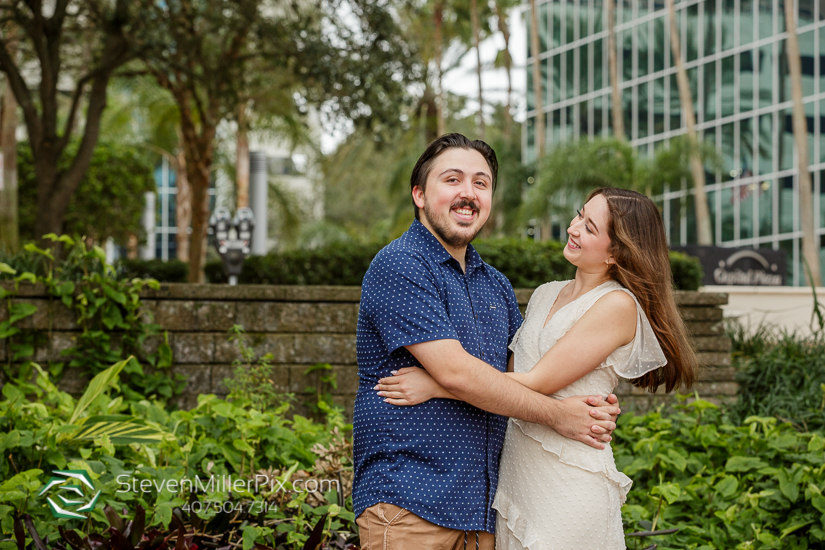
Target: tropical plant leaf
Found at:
121, 430
96, 387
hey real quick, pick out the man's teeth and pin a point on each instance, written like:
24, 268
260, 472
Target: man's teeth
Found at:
464, 211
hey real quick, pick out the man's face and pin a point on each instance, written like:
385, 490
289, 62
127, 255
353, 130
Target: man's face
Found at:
458, 197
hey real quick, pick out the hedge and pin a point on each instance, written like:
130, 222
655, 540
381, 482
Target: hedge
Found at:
526, 263
171, 271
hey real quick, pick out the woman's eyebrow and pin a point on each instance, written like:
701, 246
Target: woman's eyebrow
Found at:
591, 222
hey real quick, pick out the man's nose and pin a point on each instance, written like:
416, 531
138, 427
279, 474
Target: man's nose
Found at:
467, 189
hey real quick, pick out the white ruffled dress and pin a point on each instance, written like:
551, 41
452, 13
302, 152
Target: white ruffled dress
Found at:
553, 492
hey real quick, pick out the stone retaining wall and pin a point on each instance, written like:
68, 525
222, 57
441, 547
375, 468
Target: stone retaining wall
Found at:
302, 326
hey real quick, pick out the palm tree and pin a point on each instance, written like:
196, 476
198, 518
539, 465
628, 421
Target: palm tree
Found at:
506, 60
242, 156
539, 108
476, 32
618, 113
438, 30
810, 243
143, 113
570, 171
704, 234
573, 169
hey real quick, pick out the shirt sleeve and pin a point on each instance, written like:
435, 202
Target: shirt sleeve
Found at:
403, 301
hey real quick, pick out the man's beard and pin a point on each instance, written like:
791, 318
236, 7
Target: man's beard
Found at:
445, 231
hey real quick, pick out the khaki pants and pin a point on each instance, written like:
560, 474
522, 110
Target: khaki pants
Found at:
389, 527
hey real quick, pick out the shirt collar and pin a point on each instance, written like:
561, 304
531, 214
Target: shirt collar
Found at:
434, 247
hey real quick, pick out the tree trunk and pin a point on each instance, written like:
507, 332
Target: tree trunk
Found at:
504, 29
183, 206
49, 216
476, 31
199, 150
612, 56
49, 132
438, 23
697, 169
199, 181
9, 221
242, 158
539, 108
810, 243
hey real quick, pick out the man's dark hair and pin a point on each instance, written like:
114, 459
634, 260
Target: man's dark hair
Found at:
449, 141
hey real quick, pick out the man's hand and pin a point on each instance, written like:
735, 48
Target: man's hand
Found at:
587, 419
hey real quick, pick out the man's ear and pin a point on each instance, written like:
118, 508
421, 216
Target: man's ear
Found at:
418, 196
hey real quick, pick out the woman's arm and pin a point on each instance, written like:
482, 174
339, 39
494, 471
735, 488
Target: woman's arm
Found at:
411, 386
609, 324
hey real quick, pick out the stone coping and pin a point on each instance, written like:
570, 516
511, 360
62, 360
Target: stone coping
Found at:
313, 293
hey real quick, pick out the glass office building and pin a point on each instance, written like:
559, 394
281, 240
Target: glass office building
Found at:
736, 59
166, 229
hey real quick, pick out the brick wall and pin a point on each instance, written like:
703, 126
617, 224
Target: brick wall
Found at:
302, 326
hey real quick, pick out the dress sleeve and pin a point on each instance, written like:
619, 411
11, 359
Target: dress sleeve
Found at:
643, 354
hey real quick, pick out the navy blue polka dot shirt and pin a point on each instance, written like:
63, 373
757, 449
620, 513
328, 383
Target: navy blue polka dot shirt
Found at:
438, 459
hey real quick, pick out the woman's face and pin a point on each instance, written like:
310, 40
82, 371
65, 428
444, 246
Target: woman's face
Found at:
588, 242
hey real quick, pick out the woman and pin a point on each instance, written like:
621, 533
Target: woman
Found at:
616, 318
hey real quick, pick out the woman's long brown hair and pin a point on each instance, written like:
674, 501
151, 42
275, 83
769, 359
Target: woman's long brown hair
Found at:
640, 251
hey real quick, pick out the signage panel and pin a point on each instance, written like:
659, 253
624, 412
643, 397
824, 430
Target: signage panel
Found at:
740, 266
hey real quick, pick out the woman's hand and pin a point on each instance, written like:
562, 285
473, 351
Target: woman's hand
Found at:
410, 386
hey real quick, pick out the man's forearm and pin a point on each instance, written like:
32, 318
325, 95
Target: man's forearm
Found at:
495, 392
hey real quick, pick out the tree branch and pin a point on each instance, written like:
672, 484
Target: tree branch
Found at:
78, 92
21, 93
68, 181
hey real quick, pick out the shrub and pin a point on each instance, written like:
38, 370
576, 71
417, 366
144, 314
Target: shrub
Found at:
780, 374
128, 447
753, 486
335, 264
171, 271
525, 262
112, 320
109, 199
687, 271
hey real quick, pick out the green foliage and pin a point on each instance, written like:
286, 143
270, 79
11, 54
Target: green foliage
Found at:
42, 430
779, 374
170, 271
335, 264
527, 263
108, 311
569, 172
754, 486
251, 380
108, 202
687, 271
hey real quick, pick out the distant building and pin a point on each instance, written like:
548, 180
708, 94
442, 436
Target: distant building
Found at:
735, 54
294, 177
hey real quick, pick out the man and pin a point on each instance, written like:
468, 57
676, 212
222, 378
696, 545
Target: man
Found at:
426, 475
